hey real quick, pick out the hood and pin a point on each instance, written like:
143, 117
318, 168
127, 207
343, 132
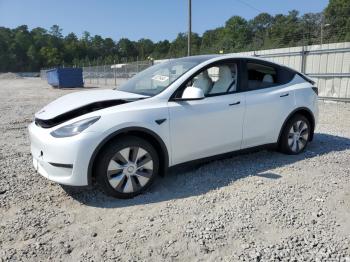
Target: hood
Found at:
79, 103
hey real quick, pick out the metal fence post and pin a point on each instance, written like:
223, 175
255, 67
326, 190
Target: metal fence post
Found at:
90, 72
125, 69
104, 73
115, 74
303, 60
98, 74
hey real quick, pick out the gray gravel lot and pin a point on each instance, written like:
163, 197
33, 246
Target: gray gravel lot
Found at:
262, 206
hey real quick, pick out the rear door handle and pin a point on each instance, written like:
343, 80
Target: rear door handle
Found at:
233, 104
284, 95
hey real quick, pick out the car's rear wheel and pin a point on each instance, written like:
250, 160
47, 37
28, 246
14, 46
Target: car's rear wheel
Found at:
127, 167
295, 135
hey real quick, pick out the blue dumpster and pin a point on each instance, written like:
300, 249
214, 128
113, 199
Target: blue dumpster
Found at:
65, 77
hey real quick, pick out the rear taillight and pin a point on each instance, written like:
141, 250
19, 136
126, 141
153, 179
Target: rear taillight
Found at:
315, 89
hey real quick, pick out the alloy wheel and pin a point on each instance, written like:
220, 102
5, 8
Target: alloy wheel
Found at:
298, 136
130, 169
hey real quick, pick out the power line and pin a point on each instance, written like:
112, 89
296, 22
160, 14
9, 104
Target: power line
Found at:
250, 6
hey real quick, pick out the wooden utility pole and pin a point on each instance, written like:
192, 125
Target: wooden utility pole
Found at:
189, 27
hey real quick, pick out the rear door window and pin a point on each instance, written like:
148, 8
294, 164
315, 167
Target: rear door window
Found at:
261, 76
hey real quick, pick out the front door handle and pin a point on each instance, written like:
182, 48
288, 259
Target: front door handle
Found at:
284, 95
233, 104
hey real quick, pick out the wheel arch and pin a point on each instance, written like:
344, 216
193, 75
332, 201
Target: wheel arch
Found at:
141, 132
302, 111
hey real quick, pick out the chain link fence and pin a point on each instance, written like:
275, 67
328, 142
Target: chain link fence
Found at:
113, 75
43, 74
109, 75
327, 64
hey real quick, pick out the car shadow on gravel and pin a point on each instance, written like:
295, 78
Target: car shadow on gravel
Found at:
199, 179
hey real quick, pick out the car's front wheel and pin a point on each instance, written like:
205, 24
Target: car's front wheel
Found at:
127, 167
295, 135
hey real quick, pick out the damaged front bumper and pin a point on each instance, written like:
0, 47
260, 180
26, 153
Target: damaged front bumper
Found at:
62, 160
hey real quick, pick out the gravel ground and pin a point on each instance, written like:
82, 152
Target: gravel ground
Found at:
262, 206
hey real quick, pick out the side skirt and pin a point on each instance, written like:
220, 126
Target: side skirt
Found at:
196, 162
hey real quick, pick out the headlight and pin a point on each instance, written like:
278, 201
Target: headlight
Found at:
75, 128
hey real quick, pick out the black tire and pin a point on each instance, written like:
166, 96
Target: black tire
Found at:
113, 152
286, 140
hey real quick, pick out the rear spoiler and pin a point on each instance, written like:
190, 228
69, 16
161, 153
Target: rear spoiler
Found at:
303, 76
306, 78
312, 82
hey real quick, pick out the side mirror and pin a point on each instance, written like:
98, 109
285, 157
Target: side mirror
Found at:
192, 93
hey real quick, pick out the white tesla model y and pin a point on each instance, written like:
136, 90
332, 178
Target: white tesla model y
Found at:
171, 113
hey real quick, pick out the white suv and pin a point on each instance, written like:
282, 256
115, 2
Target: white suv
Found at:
174, 112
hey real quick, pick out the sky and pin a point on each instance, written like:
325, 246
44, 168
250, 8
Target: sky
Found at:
135, 19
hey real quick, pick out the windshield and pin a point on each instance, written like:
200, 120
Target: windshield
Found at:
157, 78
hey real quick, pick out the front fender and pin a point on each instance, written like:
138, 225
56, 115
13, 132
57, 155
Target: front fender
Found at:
162, 140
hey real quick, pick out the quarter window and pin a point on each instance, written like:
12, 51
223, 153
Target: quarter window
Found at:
261, 76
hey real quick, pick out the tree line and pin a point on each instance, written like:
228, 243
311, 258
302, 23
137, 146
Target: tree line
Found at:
29, 50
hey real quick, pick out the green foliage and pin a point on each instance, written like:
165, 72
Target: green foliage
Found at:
211, 41
51, 55
236, 36
145, 48
161, 49
25, 50
127, 49
337, 14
